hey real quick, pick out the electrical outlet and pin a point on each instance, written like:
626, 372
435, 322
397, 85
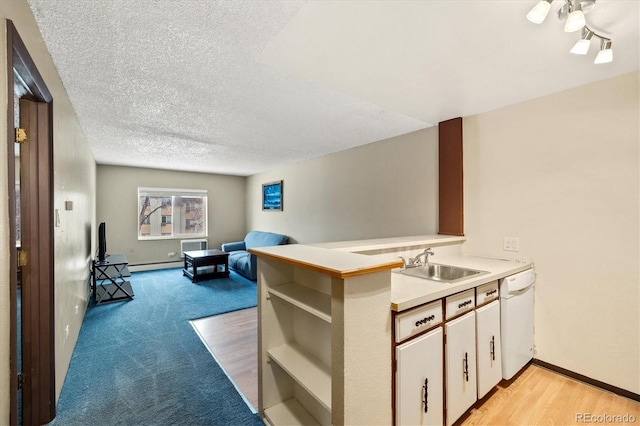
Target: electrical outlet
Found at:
66, 332
171, 254
511, 244
76, 309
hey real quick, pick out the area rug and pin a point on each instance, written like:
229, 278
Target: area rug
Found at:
140, 362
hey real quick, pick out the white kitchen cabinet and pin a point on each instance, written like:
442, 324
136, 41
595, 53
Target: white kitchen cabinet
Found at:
488, 347
460, 365
419, 380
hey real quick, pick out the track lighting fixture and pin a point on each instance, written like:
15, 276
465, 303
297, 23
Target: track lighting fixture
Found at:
573, 13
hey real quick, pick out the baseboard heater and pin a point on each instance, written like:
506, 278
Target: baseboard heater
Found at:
191, 245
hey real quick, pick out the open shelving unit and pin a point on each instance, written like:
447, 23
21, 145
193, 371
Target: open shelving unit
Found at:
323, 316
310, 373
314, 302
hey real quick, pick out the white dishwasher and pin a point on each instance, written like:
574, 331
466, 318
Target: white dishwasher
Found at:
516, 321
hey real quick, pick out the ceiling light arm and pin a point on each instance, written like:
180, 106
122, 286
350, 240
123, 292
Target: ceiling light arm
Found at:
595, 34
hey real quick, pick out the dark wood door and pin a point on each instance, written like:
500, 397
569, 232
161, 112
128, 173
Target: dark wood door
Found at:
38, 366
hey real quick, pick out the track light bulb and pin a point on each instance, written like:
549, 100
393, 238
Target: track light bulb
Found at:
582, 46
605, 55
539, 12
575, 20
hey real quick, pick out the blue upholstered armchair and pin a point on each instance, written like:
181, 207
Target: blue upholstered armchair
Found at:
245, 263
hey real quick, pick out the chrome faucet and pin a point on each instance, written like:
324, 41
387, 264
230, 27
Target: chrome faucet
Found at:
414, 262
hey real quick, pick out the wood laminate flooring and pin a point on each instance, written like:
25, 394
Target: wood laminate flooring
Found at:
536, 396
232, 338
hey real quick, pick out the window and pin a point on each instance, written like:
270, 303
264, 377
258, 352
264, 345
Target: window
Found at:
171, 213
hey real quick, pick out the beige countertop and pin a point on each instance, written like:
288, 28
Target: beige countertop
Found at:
408, 291
407, 242
331, 262
342, 259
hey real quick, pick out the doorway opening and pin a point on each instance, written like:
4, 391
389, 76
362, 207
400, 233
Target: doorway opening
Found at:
31, 220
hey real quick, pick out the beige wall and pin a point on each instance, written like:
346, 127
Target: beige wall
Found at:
74, 180
388, 188
117, 206
561, 173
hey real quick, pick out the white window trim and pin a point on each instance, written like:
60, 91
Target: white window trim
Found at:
172, 192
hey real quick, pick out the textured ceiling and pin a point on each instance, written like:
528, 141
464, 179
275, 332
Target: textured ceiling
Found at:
240, 87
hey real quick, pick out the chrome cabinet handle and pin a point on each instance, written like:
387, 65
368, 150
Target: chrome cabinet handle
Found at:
465, 367
492, 347
425, 388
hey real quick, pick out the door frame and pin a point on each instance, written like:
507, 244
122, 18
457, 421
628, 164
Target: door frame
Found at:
40, 385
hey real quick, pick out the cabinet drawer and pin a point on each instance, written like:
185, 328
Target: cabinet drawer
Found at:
417, 320
460, 303
486, 292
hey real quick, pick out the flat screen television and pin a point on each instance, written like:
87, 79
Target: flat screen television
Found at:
102, 242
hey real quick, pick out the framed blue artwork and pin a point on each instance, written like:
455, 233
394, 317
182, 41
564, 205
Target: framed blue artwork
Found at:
272, 196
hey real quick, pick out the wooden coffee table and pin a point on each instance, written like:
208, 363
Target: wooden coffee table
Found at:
202, 264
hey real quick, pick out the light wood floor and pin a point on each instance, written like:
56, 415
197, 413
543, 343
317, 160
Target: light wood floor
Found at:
232, 338
536, 396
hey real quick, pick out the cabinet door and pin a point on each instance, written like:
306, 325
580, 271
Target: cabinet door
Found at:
419, 377
460, 364
489, 353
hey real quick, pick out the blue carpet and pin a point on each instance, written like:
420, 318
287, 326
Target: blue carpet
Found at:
140, 362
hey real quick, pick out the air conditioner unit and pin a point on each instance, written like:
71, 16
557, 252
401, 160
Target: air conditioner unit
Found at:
191, 245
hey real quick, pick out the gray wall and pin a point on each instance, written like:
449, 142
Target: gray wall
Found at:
117, 205
384, 189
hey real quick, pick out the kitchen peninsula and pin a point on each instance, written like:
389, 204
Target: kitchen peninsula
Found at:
325, 323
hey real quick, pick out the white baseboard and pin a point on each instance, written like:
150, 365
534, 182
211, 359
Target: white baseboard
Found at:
155, 266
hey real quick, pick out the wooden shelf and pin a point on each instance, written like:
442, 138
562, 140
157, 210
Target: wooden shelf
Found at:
309, 372
314, 302
289, 412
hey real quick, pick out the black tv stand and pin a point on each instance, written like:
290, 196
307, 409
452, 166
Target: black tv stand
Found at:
108, 284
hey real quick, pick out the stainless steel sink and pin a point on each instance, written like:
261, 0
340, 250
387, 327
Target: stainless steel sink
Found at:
442, 273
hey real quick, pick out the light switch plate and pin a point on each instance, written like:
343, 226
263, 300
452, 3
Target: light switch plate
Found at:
511, 244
